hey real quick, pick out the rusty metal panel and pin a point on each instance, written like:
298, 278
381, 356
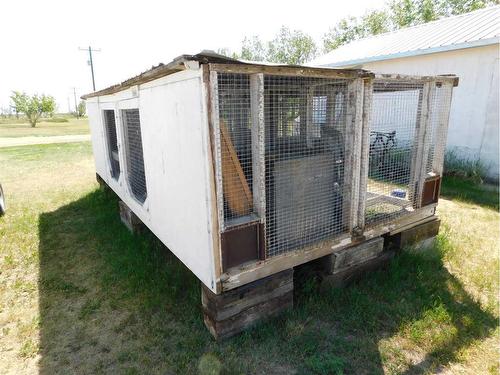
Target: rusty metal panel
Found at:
430, 193
242, 244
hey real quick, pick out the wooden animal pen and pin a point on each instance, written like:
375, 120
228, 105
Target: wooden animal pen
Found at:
247, 170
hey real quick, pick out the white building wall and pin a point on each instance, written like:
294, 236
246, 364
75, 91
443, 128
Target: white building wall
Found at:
474, 120
175, 139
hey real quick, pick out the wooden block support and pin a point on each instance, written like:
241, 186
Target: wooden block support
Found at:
418, 233
131, 221
347, 265
101, 182
345, 276
232, 312
353, 255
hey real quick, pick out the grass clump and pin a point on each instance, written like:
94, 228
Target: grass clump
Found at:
468, 169
57, 119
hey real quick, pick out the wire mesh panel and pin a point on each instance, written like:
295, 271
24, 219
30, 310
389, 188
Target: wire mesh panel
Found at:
236, 145
110, 126
305, 121
438, 125
396, 112
135, 159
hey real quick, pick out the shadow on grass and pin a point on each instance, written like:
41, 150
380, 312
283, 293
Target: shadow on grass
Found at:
111, 302
455, 188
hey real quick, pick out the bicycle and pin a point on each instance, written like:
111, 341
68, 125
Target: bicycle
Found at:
381, 143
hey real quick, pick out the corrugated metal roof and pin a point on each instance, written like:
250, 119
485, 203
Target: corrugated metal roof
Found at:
481, 27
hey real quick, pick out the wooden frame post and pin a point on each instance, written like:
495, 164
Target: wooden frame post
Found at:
442, 130
258, 144
365, 151
352, 162
214, 98
421, 149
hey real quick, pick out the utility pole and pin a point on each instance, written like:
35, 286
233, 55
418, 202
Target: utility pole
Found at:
90, 62
76, 105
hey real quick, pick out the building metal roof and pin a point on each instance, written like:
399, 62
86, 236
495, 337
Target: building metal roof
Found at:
474, 29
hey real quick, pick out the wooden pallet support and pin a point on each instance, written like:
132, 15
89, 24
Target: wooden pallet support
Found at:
131, 221
234, 311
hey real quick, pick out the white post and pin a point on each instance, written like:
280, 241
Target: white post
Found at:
214, 97
365, 150
352, 162
258, 144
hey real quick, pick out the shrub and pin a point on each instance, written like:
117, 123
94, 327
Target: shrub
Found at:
466, 168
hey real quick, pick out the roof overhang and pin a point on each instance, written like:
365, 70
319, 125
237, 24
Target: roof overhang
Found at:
208, 57
451, 47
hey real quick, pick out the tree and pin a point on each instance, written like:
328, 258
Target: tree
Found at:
287, 47
253, 49
291, 47
351, 28
33, 106
400, 13
81, 109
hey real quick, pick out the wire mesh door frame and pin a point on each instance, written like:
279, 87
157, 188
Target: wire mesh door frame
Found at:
358, 102
427, 140
256, 110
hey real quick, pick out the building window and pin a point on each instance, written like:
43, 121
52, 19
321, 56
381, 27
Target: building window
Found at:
135, 159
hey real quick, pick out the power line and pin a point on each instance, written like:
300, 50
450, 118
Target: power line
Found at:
90, 61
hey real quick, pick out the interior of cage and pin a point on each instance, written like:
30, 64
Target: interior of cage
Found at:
305, 121
396, 112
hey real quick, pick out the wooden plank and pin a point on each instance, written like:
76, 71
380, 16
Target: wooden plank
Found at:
348, 275
248, 273
215, 232
251, 272
232, 312
249, 317
442, 132
418, 150
419, 232
258, 145
236, 190
216, 135
418, 79
426, 140
231, 303
352, 163
357, 254
365, 151
293, 71
130, 219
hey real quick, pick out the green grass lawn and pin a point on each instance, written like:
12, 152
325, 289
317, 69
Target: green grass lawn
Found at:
12, 128
80, 294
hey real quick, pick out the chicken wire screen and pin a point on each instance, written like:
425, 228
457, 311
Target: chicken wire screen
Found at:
396, 110
236, 145
438, 124
135, 159
305, 121
110, 127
